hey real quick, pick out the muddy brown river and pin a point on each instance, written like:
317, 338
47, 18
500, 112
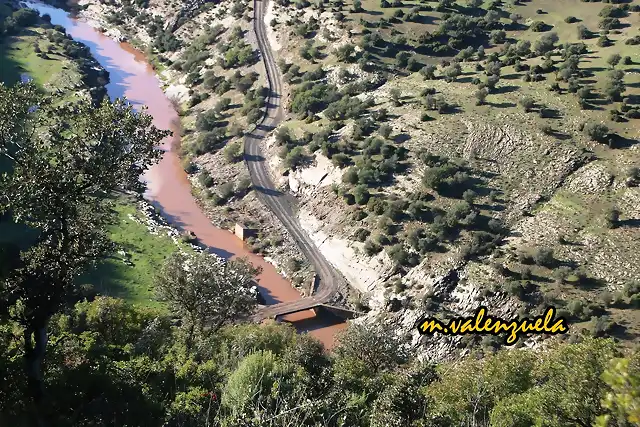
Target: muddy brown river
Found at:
132, 76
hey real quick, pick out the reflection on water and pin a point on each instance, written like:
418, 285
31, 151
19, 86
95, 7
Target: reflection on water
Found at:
168, 188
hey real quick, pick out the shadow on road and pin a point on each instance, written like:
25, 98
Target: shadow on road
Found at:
254, 158
268, 191
266, 128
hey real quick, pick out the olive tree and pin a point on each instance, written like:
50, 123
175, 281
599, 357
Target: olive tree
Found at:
206, 291
66, 160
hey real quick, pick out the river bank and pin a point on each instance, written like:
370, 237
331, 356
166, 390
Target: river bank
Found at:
168, 186
224, 178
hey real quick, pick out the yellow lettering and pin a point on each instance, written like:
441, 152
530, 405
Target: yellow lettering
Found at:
500, 326
513, 337
559, 327
479, 318
538, 325
454, 326
481, 322
430, 325
487, 325
466, 327
547, 319
519, 326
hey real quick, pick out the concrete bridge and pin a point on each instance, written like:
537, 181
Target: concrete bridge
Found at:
317, 305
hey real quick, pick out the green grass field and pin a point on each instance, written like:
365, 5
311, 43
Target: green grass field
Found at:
19, 57
146, 252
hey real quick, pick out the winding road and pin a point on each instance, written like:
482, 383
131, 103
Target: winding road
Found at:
281, 204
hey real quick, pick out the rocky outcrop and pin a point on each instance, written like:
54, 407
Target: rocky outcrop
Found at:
188, 9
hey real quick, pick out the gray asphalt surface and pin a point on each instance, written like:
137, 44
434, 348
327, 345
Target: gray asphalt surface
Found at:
282, 205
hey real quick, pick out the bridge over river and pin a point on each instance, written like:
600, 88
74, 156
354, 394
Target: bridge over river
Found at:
315, 304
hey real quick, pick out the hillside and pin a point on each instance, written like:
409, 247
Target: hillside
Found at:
497, 139
444, 154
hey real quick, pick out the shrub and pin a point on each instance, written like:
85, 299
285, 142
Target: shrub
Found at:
207, 121
340, 160
452, 72
612, 217
514, 288
603, 41
615, 86
561, 273
570, 19
497, 36
385, 224
208, 142
614, 60
295, 157
576, 309
361, 234
546, 129
527, 103
254, 115
584, 92
385, 131
633, 113
538, 26
596, 131
544, 257
188, 166
545, 43
617, 299
398, 254
583, 32
371, 248
205, 179
361, 194
469, 196
609, 23
294, 265
350, 176
233, 152
359, 215
481, 96
428, 72
602, 326
525, 258
632, 288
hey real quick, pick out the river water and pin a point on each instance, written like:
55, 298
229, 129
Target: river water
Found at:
132, 76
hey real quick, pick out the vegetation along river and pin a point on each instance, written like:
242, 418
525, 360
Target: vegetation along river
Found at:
132, 76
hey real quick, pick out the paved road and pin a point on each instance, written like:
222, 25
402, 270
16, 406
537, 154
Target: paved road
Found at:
279, 203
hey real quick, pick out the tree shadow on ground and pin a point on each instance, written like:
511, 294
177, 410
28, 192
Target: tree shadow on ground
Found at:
501, 104
505, 89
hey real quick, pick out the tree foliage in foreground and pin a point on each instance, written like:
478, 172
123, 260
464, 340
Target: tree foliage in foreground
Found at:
131, 366
205, 291
66, 161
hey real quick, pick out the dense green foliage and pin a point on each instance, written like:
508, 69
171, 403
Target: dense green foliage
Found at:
111, 361
59, 186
